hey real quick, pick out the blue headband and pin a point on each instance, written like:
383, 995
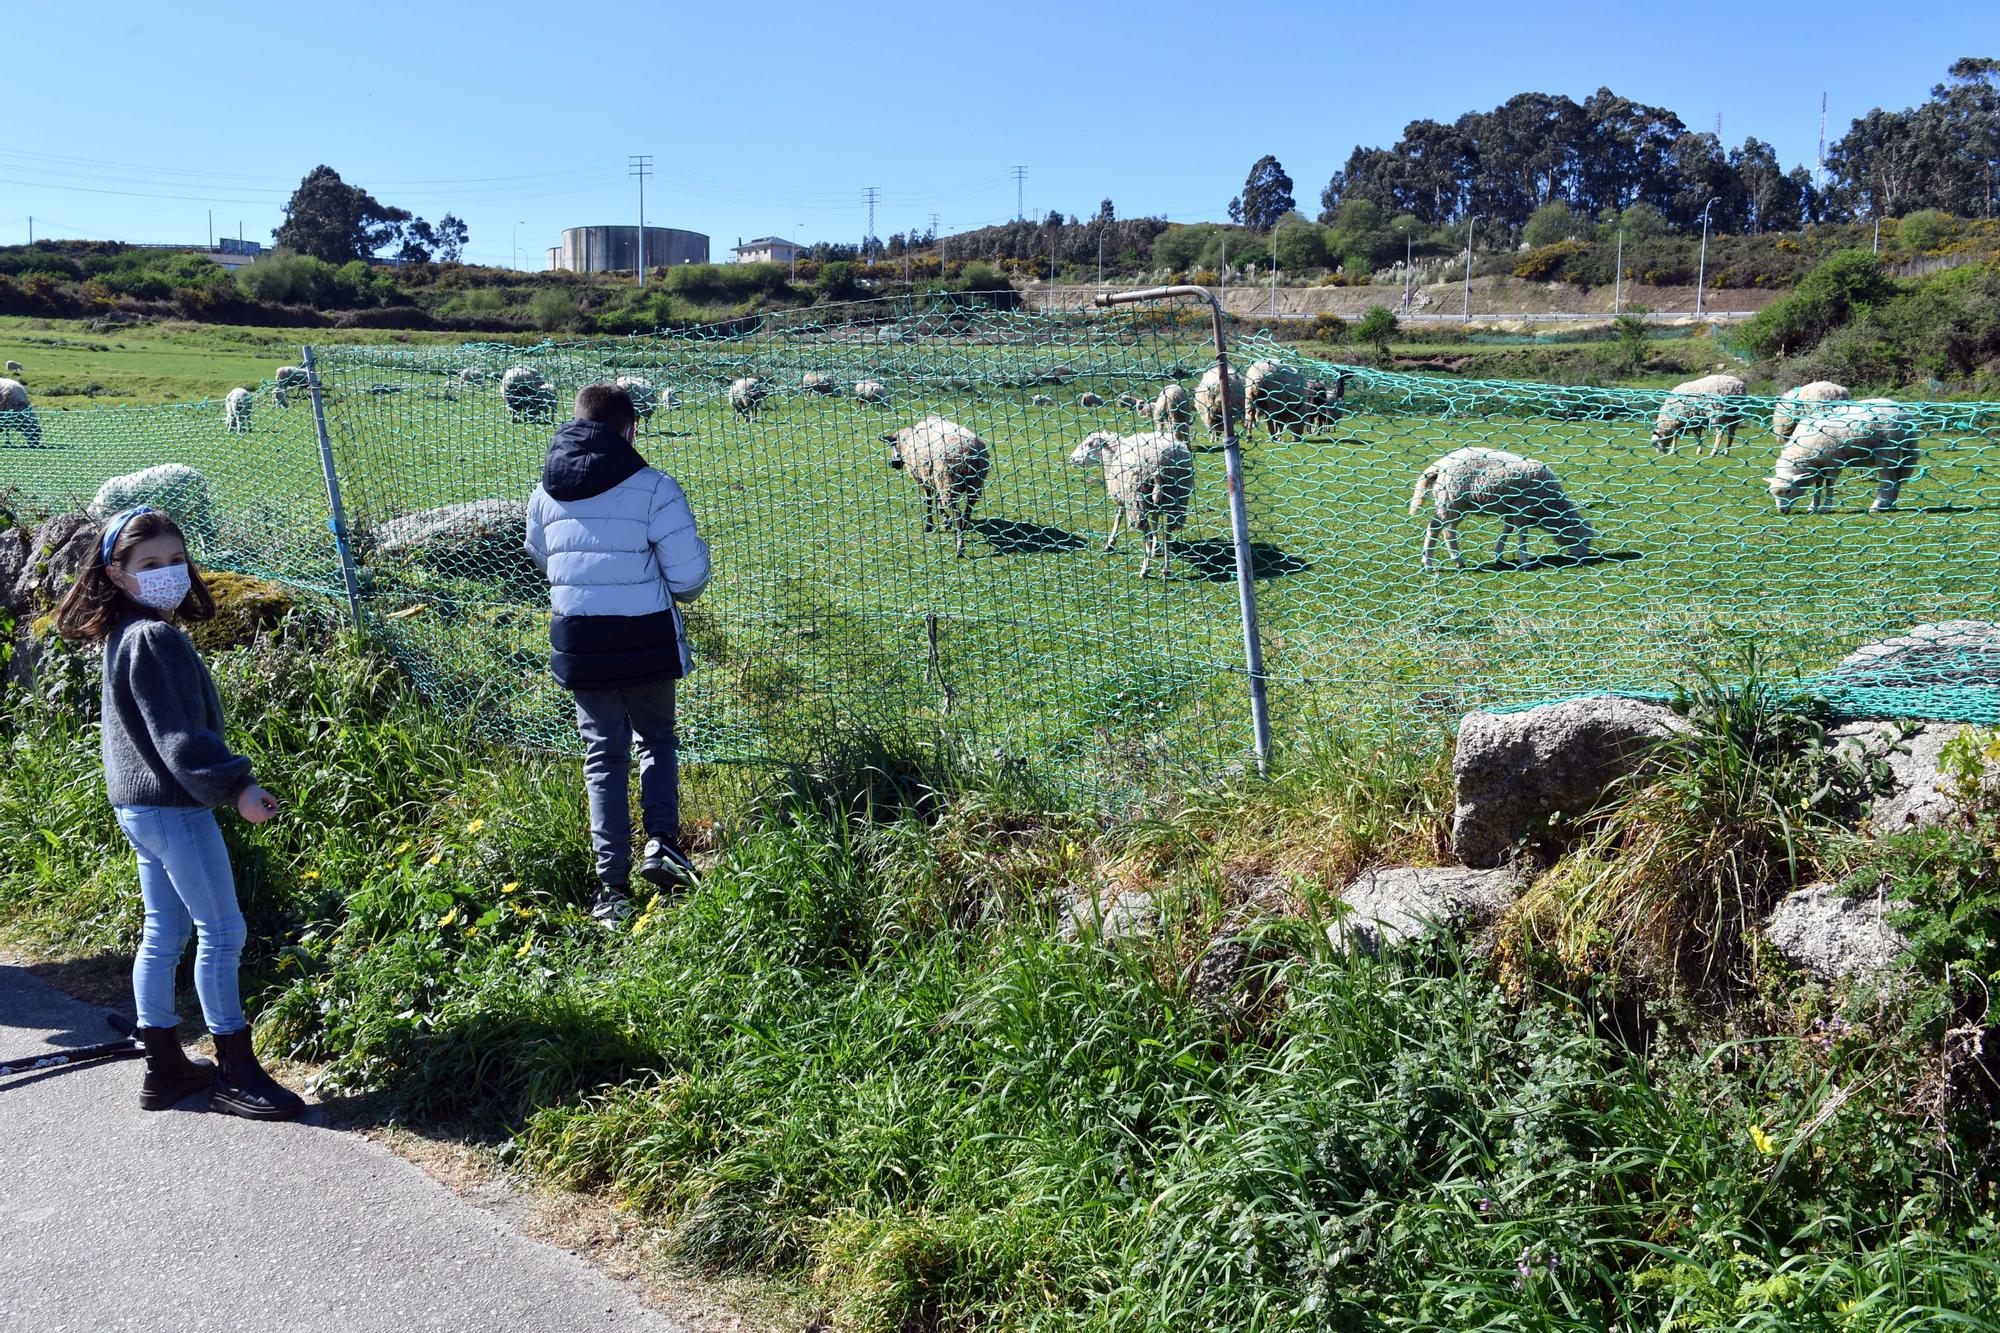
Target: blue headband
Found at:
115, 525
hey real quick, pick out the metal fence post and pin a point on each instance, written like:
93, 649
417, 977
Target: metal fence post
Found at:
1239, 515
337, 523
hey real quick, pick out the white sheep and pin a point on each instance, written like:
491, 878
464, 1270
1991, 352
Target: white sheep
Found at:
1150, 478
949, 463
1877, 433
293, 377
471, 375
1278, 396
1208, 400
872, 391
1521, 492
1041, 400
1698, 407
173, 488
1789, 408
817, 381
14, 368
17, 413
1172, 411
1132, 402
746, 394
279, 398
237, 407
1089, 399
527, 394
645, 398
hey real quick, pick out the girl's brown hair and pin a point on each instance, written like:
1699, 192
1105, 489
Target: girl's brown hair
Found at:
95, 604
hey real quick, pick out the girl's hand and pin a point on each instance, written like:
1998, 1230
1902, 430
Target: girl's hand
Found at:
256, 804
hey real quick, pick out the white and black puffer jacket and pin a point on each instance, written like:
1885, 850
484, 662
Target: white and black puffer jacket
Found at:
618, 543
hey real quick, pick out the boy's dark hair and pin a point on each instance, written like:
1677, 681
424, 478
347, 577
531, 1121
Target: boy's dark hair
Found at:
606, 403
94, 604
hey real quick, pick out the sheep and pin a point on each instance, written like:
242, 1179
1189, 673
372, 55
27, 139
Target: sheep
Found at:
872, 391
1786, 414
1698, 407
1132, 402
1041, 400
527, 394
14, 368
174, 488
236, 410
1150, 478
279, 398
949, 463
1208, 401
745, 394
1326, 403
645, 398
1522, 492
1874, 432
293, 377
817, 381
471, 375
1278, 396
18, 414
1172, 411
1088, 399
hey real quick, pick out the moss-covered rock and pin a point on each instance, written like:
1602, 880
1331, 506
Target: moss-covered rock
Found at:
244, 608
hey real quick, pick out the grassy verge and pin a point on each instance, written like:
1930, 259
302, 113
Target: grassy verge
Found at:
862, 1055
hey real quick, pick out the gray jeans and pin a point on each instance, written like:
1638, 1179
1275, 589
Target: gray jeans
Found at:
608, 721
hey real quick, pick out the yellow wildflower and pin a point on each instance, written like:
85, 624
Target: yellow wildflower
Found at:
402, 847
526, 945
510, 886
1765, 1143
309, 875
448, 917
470, 931
475, 826
435, 858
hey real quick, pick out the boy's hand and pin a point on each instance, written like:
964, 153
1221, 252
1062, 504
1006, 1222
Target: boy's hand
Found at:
256, 804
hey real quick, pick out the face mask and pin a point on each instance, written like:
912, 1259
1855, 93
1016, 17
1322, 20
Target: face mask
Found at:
162, 590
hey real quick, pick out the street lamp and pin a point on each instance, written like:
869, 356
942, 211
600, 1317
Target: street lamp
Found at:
1701, 269
796, 228
1465, 313
517, 246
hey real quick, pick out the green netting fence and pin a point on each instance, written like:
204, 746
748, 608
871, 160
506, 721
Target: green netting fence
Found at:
832, 607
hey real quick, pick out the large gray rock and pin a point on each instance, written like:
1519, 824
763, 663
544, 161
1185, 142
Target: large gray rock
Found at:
1834, 937
62, 544
1398, 904
1517, 770
15, 547
1108, 915
1944, 654
1922, 796
474, 523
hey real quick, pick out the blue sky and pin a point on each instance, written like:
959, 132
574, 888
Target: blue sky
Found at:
131, 121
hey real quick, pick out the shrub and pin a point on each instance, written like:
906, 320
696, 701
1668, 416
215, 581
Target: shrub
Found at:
1548, 261
1376, 328
1328, 327
553, 309
836, 281
1300, 245
1552, 222
1925, 229
1833, 293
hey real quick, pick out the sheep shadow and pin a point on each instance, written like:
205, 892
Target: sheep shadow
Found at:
1008, 536
1557, 560
1213, 560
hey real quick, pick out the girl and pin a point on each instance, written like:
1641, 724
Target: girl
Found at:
165, 767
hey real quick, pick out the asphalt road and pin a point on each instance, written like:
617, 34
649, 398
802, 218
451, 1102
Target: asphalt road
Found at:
113, 1218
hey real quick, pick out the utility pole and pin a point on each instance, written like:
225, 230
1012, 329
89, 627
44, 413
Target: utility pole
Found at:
1618, 275
1465, 313
1409, 273
1020, 174
1701, 269
641, 166
1821, 182
517, 247
211, 229
796, 229
871, 193
938, 236
1274, 269
1878, 233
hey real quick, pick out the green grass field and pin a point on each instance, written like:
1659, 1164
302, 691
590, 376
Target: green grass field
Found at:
830, 605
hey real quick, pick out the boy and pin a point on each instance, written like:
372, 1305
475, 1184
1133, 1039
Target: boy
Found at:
618, 543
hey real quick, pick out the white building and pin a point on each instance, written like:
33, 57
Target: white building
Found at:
766, 250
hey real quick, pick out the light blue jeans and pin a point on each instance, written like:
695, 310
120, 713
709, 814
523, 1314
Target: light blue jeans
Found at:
186, 883
609, 721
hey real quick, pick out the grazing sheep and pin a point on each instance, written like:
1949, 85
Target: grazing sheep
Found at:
1278, 396
279, 398
817, 381
1874, 432
872, 391
471, 375
1698, 407
236, 410
1521, 492
1208, 400
293, 377
14, 368
1132, 402
174, 488
645, 398
949, 464
1172, 412
1041, 400
527, 394
17, 413
746, 394
1788, 411
1150, 478
1088, 399
1326, 403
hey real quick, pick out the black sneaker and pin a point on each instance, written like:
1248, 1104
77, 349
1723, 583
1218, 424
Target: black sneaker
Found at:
613, 904
665, 866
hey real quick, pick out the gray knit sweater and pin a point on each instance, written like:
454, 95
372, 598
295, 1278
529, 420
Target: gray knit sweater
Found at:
163, 722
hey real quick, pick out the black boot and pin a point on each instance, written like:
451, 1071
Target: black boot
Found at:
243, 1088
170, 1075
